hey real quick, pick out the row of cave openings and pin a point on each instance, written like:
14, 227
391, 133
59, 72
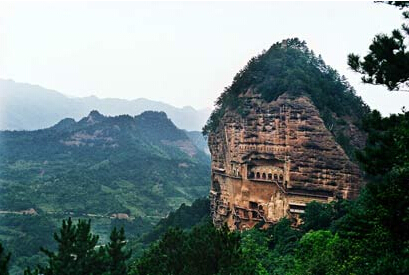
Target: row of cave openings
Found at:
265, 176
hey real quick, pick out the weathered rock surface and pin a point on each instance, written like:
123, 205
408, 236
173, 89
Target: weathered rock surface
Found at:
269, 163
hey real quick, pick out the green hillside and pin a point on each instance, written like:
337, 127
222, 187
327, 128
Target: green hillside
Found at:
138, 168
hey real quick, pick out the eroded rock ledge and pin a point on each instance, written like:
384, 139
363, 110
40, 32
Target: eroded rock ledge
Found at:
271, 162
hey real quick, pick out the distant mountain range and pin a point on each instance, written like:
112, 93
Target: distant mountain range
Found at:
30, 107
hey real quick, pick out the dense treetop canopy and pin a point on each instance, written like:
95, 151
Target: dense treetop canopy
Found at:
289, 66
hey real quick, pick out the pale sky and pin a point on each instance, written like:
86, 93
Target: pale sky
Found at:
181, 53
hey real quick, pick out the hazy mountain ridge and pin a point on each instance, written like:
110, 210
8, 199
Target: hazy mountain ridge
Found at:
31, 107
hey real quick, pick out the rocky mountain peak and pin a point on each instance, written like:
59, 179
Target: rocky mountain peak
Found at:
290, 67
274, 138
94, 117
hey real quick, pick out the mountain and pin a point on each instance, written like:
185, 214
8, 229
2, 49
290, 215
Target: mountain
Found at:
31, 107
199, 140
283, 135
290, 67
122, 168
101, 156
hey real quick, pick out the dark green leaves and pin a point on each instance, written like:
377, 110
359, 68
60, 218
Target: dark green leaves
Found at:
78, 254
116, 252
204, 250
387, 62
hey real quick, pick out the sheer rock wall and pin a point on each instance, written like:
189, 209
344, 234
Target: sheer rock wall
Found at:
269, 163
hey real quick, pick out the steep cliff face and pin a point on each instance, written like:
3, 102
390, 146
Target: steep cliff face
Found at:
270, 163
270, 158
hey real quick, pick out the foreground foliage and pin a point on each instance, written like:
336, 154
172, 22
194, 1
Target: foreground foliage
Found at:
77, 253
204, 250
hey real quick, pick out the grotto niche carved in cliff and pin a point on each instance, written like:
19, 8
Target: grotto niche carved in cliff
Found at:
264, 167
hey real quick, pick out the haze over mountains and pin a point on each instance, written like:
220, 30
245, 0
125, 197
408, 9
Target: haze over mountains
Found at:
30, 107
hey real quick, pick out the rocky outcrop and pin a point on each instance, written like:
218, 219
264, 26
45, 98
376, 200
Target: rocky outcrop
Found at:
273, 160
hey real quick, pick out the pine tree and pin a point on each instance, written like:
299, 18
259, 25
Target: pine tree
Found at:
62, 262
86, 257
117, 256
387, 62
76, 253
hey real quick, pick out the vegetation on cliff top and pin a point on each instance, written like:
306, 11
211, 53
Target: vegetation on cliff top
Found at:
291, 67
